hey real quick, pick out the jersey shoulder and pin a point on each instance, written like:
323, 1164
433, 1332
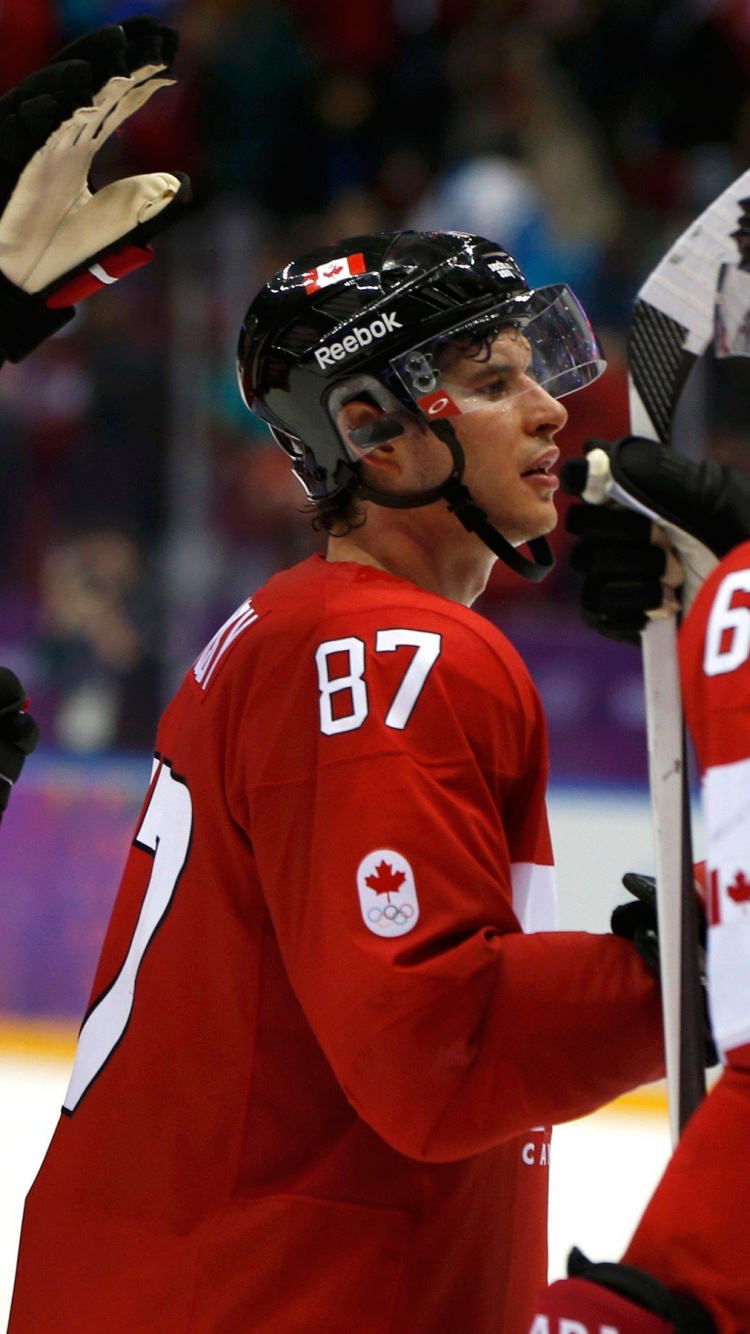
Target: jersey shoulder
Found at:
324, 601
330, 664
323, 621
372, 663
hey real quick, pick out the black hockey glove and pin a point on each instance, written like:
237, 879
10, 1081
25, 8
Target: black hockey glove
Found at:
622, 569
59, 239
618, 1298
638, 922
630, 566
19, 733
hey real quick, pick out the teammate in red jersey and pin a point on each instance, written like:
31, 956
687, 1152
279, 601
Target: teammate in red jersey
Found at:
332, 1022
686, 1268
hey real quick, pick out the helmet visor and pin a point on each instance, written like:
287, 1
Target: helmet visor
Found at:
541, 338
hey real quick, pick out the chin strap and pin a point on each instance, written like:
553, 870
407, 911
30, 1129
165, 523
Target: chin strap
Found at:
472, 516
460, 502
474, 520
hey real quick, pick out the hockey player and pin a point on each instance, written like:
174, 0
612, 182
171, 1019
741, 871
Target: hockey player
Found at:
686, 1268
332, 1021
59, 240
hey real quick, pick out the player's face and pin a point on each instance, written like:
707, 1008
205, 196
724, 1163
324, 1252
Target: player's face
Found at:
507, 431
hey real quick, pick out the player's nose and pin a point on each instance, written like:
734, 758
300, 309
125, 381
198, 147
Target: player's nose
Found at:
543, 413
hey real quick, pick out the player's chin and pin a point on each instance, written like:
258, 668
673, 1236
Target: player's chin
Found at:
542, 517
526, 517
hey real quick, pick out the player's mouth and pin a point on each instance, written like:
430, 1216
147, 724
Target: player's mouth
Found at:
540, 473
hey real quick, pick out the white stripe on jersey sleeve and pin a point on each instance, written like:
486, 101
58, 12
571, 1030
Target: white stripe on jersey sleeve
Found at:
534, 896
726, 806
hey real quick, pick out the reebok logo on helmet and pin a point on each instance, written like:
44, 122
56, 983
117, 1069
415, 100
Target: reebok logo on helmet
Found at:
359, 337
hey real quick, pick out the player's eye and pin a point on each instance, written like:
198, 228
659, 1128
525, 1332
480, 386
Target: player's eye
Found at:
498, 386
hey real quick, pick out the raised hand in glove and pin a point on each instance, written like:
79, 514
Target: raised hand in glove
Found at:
19, 733
59, 239
617, 1298
654, 522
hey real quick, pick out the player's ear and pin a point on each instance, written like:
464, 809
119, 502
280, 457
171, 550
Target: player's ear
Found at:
366, 428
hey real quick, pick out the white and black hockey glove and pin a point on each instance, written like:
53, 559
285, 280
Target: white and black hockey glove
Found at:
59, 239
616, 1297
19, 733
653, 521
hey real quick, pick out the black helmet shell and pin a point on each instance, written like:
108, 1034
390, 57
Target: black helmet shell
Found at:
308, 329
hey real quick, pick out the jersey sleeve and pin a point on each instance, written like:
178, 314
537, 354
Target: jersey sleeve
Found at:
396, 809
693, 1235
715, 669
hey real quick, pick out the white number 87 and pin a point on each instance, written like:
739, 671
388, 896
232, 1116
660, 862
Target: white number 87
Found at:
427, 644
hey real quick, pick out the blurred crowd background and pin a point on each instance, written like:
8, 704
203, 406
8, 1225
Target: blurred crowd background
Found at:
141, 502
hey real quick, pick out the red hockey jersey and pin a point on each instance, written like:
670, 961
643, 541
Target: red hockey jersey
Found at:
694, 1234
331, 1016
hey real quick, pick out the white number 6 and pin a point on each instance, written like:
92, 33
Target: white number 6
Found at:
724, 617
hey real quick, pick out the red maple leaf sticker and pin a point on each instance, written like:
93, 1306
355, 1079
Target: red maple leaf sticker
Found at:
385, 880
739, 892
334, 269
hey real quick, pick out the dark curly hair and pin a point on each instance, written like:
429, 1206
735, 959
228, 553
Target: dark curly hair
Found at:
336, 515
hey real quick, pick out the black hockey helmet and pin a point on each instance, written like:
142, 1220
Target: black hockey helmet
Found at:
372, 317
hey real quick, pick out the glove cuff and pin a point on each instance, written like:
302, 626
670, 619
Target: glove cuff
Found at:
577, 1306
26, 321
673, 1311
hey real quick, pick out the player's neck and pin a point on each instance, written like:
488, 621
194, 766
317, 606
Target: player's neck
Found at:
436, 555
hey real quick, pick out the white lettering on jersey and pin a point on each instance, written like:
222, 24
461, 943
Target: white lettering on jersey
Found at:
541, 1325
214, 651
534, 896
535, 1155
387, 893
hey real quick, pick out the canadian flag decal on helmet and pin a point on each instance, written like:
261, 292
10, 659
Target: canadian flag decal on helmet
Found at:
335, 271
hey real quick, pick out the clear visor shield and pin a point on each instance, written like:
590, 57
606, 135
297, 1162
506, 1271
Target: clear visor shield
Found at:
541, 338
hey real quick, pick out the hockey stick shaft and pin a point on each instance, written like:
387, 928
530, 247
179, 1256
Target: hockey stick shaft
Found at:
692, 1082
674, 322
678, 945
670, 803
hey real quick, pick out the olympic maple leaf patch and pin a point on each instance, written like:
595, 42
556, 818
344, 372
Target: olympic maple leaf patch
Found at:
387, 893
384, 880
